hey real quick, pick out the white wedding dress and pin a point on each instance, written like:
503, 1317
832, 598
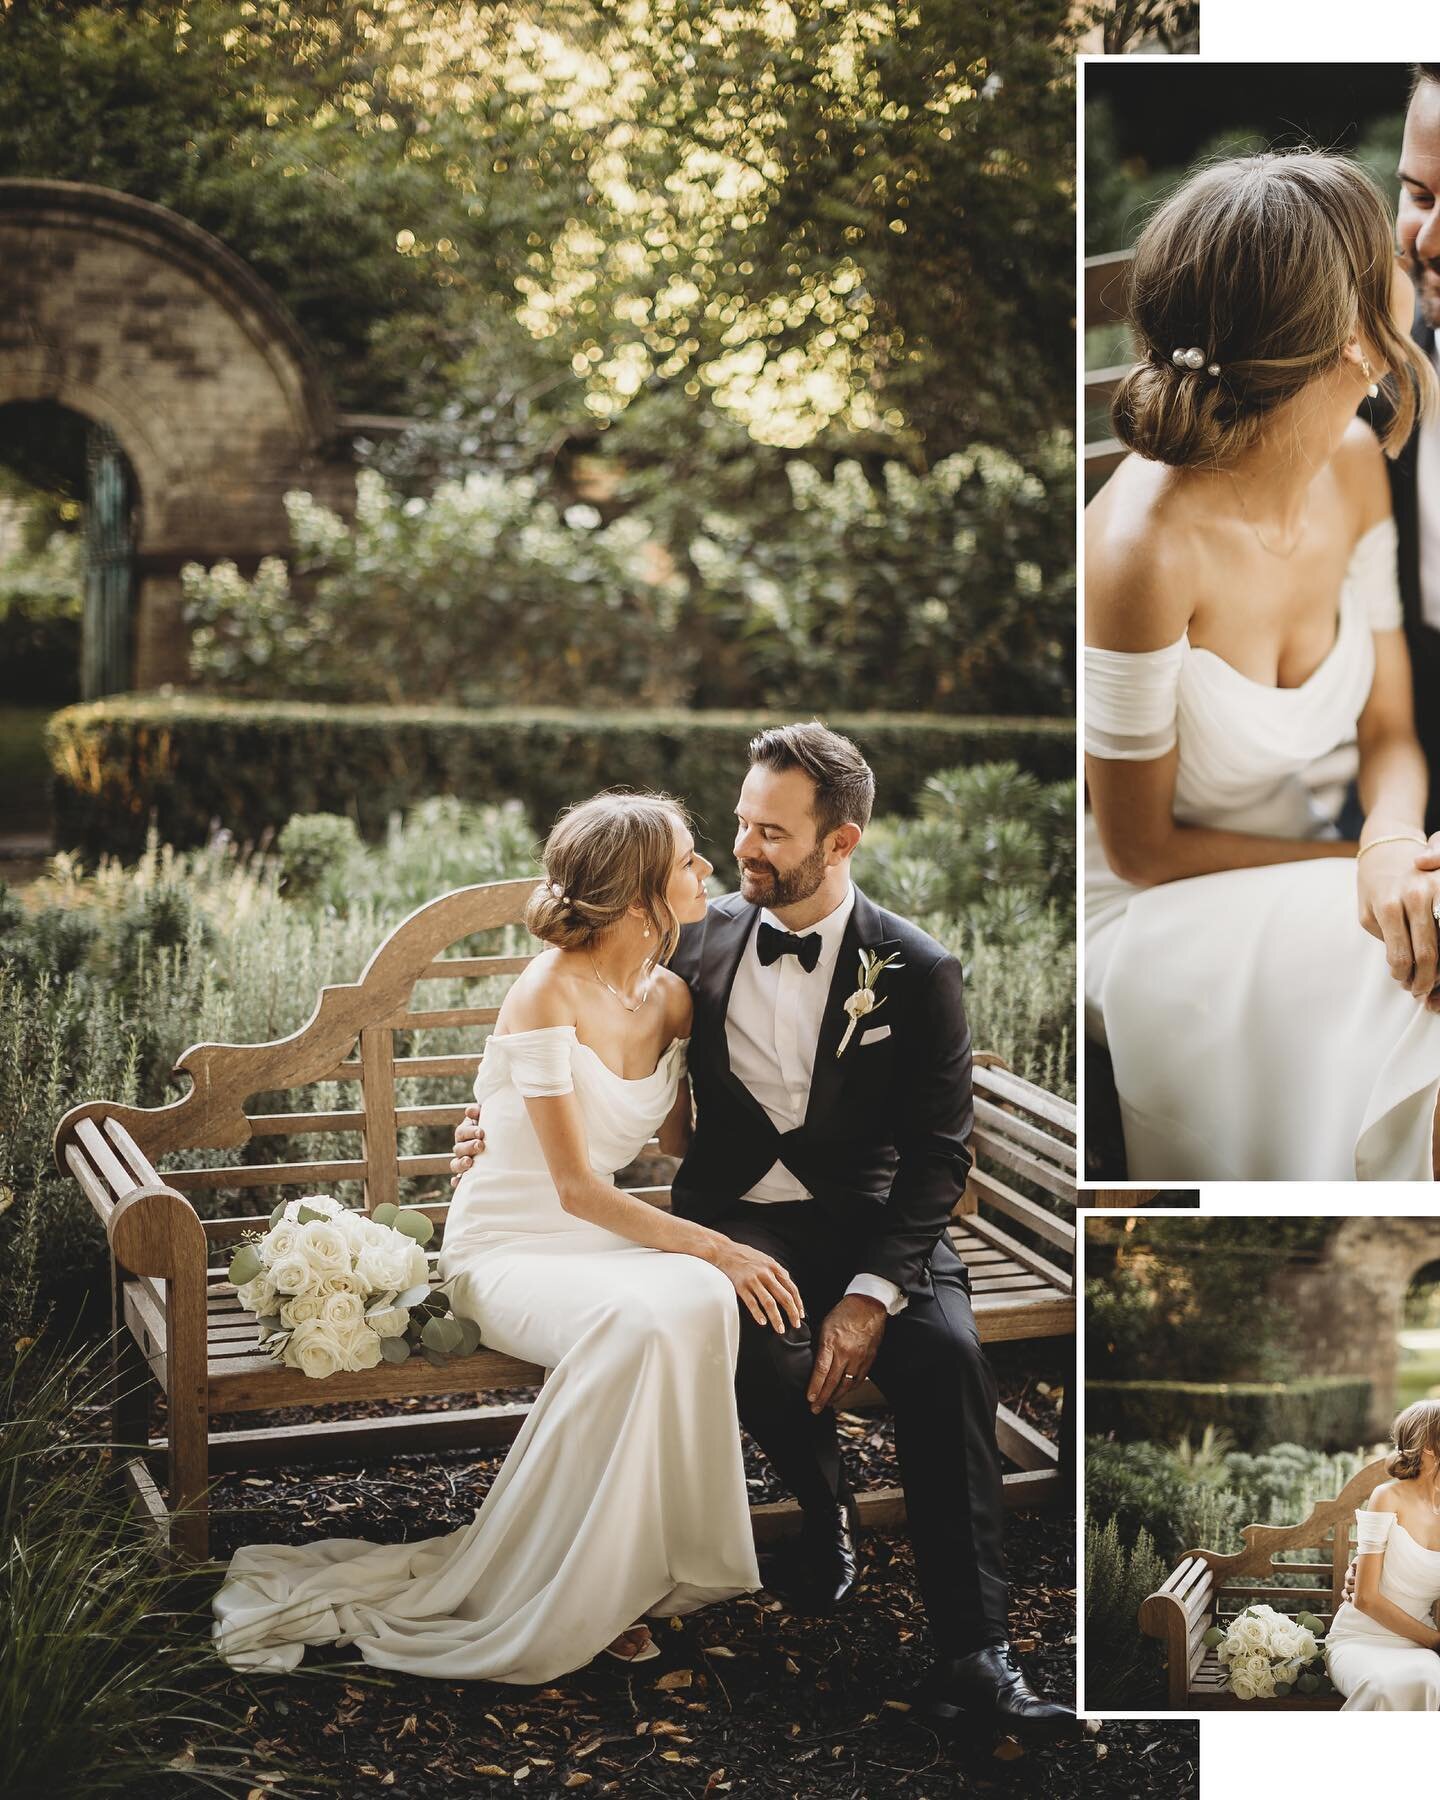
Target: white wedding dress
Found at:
1255, 1031
624, 1493
1375, 1668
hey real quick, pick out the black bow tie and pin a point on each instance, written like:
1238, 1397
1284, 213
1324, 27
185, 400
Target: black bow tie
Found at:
774, 944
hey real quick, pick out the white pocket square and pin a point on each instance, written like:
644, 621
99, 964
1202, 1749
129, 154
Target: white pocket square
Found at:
874, 1035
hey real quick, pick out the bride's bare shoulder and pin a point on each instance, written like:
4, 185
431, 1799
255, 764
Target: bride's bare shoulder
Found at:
1139, 560
1359, 466
544, 993
1386, 1498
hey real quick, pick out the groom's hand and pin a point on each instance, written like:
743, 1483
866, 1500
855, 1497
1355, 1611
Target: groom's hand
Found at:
1429, 857
469, 1143
845, 1347
1347, 1591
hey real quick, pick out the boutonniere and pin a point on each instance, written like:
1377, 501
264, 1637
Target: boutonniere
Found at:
863, 1001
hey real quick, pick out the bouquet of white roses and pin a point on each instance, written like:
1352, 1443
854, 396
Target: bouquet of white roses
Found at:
1266, 1654
338, 1290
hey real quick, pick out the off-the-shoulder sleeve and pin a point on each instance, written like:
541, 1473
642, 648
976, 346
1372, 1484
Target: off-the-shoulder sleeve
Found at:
1371, 1531
537, 1062
1374, 572
1130, 701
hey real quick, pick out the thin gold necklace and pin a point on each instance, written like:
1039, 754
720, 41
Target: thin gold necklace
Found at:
616, 992
1260, 535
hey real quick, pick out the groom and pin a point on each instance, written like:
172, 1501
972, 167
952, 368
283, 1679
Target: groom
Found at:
830, 1059
1415, 472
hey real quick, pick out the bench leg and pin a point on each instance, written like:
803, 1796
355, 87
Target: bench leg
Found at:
188, 1400
130, 1384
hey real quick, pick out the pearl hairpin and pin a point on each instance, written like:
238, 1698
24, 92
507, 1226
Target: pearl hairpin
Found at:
1193, 358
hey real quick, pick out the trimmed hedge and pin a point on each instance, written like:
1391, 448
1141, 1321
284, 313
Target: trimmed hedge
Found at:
1328, 1412
192, 762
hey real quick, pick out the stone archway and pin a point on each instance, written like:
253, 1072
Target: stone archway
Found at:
1349, 1302
128, 314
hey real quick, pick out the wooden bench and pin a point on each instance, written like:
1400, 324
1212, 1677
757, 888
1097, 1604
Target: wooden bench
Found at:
1209, 1589
1105, 279
179, 1324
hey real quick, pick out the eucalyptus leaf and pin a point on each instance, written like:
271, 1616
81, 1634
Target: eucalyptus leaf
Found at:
385, 1215
245, 1265
1282, 1688
1213, 1637
413, 1296
1309, 1684
469, 1336
277, 1212
414, 1225
395, 1349
307, 1215
443, 1335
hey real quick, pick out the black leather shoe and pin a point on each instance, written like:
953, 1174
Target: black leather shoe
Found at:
989, 1687
817, 1571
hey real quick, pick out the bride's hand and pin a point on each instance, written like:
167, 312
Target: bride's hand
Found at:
469, 1143
763, 1284
1397, 901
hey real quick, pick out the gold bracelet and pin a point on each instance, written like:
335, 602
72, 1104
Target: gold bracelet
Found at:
1396, 837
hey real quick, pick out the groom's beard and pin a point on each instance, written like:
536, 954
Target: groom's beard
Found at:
763, 886
1426, 277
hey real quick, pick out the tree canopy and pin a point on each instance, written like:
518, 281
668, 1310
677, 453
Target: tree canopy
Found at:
825, 222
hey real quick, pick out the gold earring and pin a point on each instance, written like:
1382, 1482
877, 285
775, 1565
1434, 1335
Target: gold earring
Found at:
1373, 389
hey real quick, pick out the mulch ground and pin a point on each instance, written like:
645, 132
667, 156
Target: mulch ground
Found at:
747, 1698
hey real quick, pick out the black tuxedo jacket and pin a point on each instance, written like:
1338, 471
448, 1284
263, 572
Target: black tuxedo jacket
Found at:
884, 1142
1423, 640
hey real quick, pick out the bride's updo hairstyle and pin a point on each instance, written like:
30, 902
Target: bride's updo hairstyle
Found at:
1416, 1429
603, 857
1269, 266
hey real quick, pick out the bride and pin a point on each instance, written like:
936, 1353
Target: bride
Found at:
1264, 983
1382, 1643
624, 1493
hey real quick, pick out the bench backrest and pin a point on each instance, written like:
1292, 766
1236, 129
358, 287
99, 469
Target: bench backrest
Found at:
1021, 1193
1264, 1572
1105, 279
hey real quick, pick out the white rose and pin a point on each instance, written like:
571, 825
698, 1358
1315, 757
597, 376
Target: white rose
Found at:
315, 1349
352, 1224
341, 1284
1264, 1684
279, 1242
259, 1295
359, 1346
1249, 1632
342, 1310
419, 1267
860, 1003
301, 1308
325, 1247
1241, 1685
385, 1265
294, 1274
393, 1323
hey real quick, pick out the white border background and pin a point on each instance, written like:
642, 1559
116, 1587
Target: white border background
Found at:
1318, 1755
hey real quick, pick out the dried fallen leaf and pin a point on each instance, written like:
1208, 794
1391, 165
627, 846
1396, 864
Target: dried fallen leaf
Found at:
897, 1705
677, 1678
1009, 1750
577, 1779
718, 1650
490, 1769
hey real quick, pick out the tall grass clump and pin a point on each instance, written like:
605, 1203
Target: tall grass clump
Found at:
101, 1666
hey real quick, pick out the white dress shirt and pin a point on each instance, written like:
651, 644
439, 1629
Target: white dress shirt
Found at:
772, 1028
1427, 497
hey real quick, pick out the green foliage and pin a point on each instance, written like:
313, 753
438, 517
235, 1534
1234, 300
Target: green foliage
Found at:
316, 852
1186, 1294
1149, 1486
42, 595
99, 1660
945, 591
1123, 1668
481, 594
1324, 1410
1128, 27
190, 763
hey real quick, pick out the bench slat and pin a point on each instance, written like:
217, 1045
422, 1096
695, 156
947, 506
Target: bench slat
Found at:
1058, 1182
1021, 1131
1050, 1107
1026, 1212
